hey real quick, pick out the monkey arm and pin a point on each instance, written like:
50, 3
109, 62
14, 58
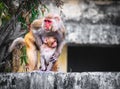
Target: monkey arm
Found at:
61, 43
58, 51
42, 60
38, 39
49, 67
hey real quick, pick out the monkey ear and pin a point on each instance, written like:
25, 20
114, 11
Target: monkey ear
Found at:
45, 40
57, 18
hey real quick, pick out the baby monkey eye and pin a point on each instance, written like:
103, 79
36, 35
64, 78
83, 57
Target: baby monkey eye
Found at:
37, 28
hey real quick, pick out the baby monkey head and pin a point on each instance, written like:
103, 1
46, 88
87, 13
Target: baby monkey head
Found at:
50, 41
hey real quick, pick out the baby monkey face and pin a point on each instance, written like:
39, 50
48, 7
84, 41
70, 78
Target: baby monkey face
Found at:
51, 41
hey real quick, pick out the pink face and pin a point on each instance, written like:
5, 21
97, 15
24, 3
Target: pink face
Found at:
54, 44
47, 24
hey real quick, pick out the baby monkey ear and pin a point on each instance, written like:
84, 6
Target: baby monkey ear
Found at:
46, 40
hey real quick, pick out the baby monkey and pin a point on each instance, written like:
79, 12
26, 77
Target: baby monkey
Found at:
47, 49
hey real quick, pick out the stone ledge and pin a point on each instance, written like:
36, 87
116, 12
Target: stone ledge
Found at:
42, 80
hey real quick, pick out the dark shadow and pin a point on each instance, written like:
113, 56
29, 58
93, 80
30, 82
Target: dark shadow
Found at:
92, 58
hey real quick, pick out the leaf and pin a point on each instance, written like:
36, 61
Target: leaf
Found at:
21, 60
34, 14
0, 22
42, 13
23, 56
46, 8
23, 22
4, 15
1, 6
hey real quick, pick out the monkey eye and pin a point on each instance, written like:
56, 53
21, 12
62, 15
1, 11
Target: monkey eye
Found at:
49, 21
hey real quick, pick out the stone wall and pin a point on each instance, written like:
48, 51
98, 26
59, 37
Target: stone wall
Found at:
41, 80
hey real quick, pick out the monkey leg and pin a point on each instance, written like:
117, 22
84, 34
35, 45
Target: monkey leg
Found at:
42, 60
50, 65
31, 52
32, 59
55, 66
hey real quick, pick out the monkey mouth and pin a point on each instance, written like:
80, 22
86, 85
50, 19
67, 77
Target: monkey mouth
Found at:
47, 29
54, 45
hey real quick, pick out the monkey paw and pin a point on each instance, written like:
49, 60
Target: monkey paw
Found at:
48, 71
53, 58
42, 68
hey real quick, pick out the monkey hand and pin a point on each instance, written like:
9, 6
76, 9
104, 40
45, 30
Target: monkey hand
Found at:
53, 58
43, 68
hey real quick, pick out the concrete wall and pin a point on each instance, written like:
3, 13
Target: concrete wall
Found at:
41, 80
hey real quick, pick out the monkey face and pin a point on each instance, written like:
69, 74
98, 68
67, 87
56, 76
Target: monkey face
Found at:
52, 22
48, 24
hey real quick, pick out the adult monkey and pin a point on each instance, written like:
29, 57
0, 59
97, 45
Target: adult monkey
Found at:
30, 43
52, 23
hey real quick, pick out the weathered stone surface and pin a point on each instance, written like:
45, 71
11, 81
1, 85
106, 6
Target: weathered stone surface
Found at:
42, 80
88, 22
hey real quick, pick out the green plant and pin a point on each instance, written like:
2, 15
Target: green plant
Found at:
23, 55
4, 13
